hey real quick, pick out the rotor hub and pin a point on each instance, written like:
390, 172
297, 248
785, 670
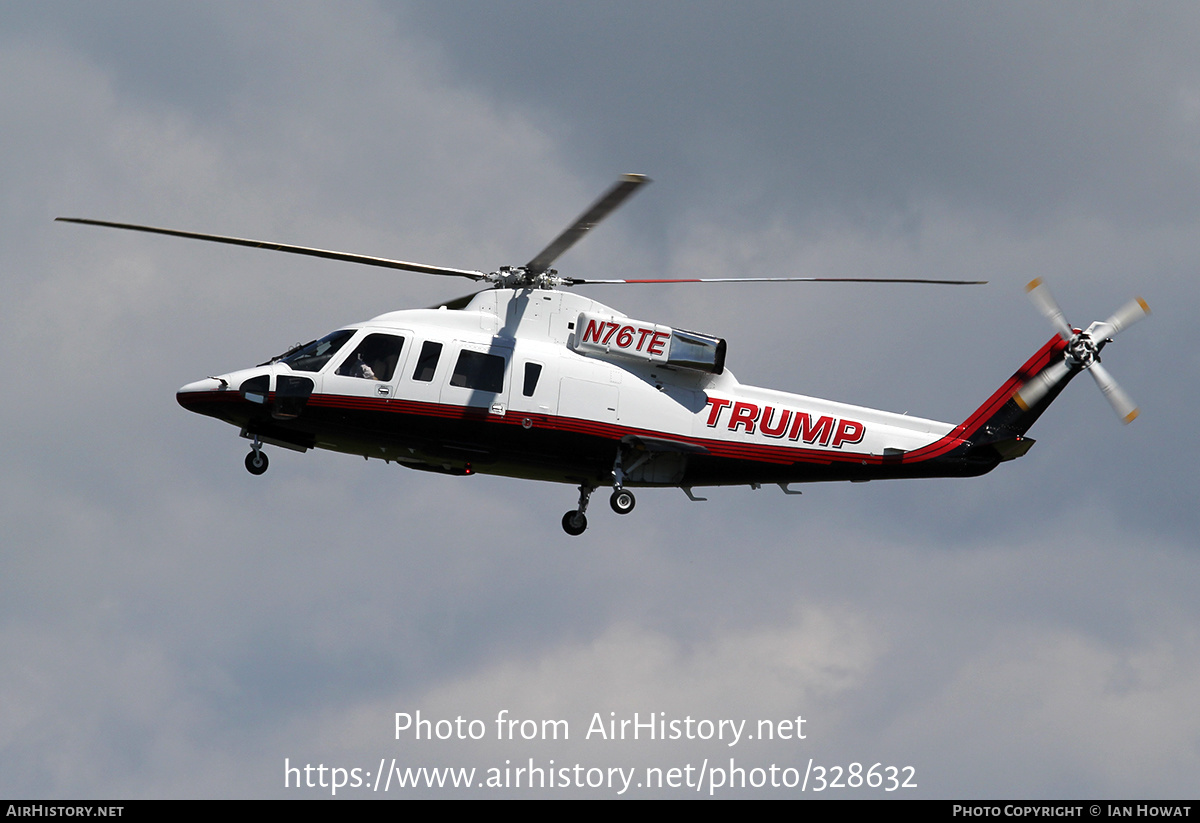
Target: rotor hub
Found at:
519, 277
1081, 351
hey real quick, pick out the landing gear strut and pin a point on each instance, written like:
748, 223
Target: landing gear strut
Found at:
574, 522
256, 460
622, 501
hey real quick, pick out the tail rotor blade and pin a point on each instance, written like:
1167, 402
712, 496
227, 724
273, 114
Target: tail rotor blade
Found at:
1040, 384
1122, 319
1122, 404
1040, 294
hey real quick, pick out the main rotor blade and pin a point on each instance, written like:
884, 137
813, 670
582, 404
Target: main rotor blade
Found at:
311, 252
1122, 319
608, 202
1040, 294
1122, 403
575, 281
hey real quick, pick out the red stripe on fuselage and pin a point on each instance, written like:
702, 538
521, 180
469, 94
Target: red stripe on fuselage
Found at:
1040, 360
609, 431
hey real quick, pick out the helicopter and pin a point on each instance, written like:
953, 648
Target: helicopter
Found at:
527, 380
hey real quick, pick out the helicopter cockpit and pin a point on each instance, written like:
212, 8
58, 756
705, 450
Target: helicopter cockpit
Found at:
374, 358
313, 356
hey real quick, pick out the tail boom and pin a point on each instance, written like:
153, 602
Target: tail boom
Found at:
995, 431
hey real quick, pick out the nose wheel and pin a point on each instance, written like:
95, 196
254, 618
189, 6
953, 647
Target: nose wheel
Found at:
574, 522
256, 460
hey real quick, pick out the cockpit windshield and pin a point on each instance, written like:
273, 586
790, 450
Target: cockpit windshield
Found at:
313, 356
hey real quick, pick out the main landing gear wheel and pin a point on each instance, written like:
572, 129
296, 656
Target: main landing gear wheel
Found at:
622, 501
574, 523
256, 462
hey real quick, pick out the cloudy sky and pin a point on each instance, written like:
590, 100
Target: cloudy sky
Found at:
171, 626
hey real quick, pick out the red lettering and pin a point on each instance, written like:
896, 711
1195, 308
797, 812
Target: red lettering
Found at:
744, 414
774, 431
775, 421
612, 327
625, 337
642, 340
660, 340
802, 427
593, 330
848, 432
718, 405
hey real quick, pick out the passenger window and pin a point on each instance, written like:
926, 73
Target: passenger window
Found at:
374, 359
476, 370
532, 372
427, 362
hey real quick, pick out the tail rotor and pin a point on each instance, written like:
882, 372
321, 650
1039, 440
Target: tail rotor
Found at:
1082, 351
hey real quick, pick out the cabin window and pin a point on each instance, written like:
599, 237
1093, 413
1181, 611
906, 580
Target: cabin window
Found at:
532, 372
427, 362
313, 356
479, 371
374, 359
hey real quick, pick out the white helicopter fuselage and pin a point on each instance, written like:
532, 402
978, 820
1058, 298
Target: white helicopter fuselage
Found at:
506, 386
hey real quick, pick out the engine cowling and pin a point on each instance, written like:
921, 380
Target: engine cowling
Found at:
622, 338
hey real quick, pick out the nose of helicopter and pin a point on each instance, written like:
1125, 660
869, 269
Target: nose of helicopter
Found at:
200, 390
